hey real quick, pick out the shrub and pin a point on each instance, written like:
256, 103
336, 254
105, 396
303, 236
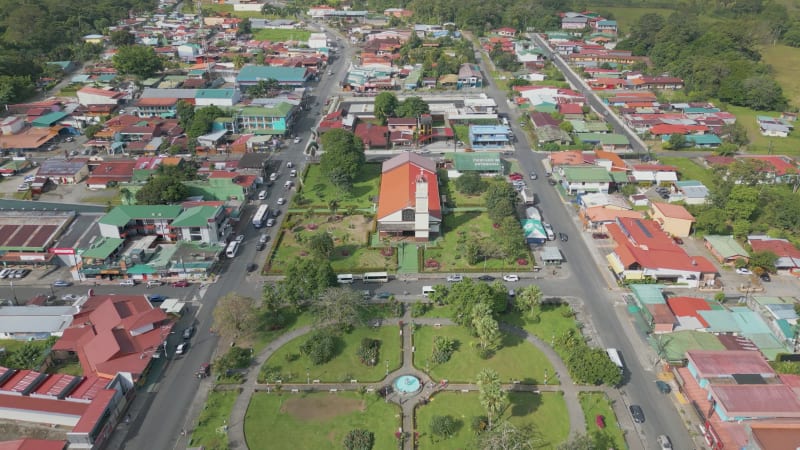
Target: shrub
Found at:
368, 351
444, 426
359, 439
480, 424
319, 348
419, 309
443, 348
234, 358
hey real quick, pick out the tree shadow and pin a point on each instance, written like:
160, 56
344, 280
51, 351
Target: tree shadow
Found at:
523, 403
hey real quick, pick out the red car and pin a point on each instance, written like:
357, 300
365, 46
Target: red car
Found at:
181, 283
515, 176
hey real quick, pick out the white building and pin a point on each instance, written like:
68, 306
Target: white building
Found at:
34, 322
318, 40
94, 96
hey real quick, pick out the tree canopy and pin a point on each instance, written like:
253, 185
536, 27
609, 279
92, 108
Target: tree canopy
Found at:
305, 279
339, 307
139, 60
235, 315
343, 157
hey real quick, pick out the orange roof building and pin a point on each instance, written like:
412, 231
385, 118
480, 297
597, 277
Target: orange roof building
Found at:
408, 202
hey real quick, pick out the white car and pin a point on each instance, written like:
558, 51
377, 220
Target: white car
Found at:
664, 442
23, 187
743, 271
511, 277
270, 222
454, 278
182, 348
240, 238
263, 239
297, 140
281, 201
293, 173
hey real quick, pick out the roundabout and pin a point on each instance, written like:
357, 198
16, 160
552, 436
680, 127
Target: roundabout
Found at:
407, 384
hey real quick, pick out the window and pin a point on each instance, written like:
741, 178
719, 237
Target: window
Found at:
408, 215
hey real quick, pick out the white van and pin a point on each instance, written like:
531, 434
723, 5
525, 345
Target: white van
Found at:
427, 290
128, 282
262, 195
152, 283
345, 278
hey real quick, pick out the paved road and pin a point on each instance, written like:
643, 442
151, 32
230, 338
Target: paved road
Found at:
592, 283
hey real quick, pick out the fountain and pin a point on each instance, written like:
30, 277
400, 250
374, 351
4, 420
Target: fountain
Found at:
407, 384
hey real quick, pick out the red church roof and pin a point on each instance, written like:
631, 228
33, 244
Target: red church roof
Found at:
398, 186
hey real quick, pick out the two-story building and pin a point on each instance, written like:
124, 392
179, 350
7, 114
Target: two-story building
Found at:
207, 224
582, 179
489, 137
274, 120
131, 220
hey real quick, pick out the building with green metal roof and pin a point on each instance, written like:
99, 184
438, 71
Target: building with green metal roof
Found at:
276, 119
49, 119
287, 77
483, 162
202, 223
582, 179
101, 250
129, 220
725, 248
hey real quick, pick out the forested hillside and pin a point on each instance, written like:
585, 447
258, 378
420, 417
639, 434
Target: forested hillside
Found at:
35, 31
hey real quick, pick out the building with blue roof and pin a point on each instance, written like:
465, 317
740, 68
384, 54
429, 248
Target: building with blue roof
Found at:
489, 137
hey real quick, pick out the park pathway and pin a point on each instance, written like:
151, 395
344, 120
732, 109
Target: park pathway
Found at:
577, 422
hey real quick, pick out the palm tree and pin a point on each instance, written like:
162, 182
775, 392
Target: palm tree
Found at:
491, 394
126, 195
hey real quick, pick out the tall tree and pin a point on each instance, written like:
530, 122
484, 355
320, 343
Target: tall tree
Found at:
305, 279
487, 329
501, 200
385, 105
139, 60
413, 107
122, 37
321, 245
507, 436
528, 300
343, 157
491, 394
235, 315
340, 307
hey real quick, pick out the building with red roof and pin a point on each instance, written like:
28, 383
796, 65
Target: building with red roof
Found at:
408, 202
687, 311
373, 136
644, 251
111, 172
788, 255
33, 444
115, 333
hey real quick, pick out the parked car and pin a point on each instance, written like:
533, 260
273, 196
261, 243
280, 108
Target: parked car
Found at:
22, 273
743, 271
260, 246
563, 237
516, 176
263, 238
180, 283
270, 222
552, 182
664, 442
293, 173
511, 277
289, 164
384, 295
677, 240
240, 238
454, 278
599, 236
127, 282
69, 298
663, 387
297, 140
252, 267
281, 201
157, 298
5, 273
188, 332
534, 176
182, 348
69, 139
486, 278
154, 283
637, 413
765, 277
61, 283
23, 187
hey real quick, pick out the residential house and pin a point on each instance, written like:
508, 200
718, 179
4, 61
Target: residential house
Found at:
574, 21
643, 251
64, 171
725, 249
489, 137
127, 221
777, 168
373, 136
469, 75
111, 173
157, 107
788, 255
610, 142
596, 218
208, 224
408, 201
691, 192
506, 32
224, 98
674, 219
582, 179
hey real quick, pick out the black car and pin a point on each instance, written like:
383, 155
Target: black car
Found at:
252, 267
765, 277
663, 387
486, 278
563, 237
637, 413
261, 246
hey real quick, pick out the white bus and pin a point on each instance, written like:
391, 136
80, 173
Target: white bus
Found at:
376, 277
261, 216
232, 249
345, 278
616, 358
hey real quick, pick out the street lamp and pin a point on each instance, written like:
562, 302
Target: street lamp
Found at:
308, 376
387, 367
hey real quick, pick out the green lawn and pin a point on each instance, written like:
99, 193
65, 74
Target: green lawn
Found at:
551, 321
785, 60
318, 191
517, 359
460, 228
597, 403
764, 144
281, 35
462, 132
690, 170
208, 433
318, 421
346, 365
547, 413
351, 240
294, 319
627, 17
459, 200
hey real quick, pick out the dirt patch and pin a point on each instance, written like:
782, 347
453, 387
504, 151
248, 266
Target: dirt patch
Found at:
321, 407
13, 430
